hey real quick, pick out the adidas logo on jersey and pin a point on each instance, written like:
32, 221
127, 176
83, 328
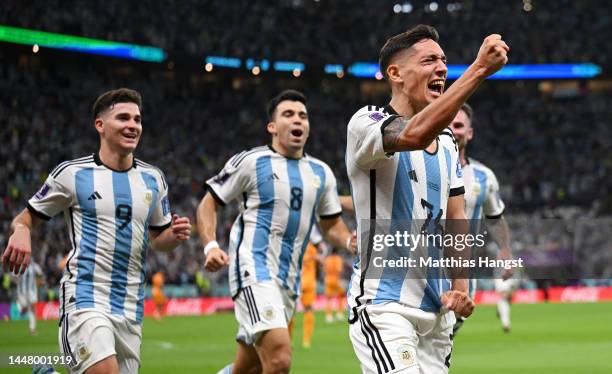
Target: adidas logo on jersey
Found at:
95, 196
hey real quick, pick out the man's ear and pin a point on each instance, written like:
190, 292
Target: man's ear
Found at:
99, 125
393, 72
272, 128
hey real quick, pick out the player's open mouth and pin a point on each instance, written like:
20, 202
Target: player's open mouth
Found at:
130, 136
436, 86
297, 132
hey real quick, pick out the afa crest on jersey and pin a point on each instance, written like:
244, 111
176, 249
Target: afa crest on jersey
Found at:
458, 171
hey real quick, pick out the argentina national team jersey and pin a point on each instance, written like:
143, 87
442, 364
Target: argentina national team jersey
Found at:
26, 284
279, 199
405, 186
481, 193
108, 214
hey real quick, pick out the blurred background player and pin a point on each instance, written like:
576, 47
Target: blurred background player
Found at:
113, 204
27, 293
309, 292
403, 165
334, 292
157, 291
482, 200
281, 190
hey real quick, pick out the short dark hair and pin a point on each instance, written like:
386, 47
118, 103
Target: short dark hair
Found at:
403, 41
291, 95
468, 111
121, 95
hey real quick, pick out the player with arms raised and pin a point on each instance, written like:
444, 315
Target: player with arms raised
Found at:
115, 207
281, 191
403, 164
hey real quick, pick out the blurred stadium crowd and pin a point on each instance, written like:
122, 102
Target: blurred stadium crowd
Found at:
550, 151
330, 32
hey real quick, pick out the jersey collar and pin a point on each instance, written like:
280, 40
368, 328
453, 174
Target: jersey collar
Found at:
287, 157
99, 162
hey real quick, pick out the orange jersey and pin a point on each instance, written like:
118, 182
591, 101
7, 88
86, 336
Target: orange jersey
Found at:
309, 267
158, 279
333, 268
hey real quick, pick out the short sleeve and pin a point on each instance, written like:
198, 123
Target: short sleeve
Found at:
161, 217
329, 206
364, 139
53, 197
232, 181
493, 206
457, 186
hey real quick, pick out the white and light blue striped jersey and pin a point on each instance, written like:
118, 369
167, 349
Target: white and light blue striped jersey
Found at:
27, 290
403, 186
108, 214
279, 200
481, 193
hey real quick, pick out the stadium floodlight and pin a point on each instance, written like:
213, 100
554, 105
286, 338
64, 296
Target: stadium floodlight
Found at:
526, 71
225, 62
536, 71
289, 66
333, 68
81, 44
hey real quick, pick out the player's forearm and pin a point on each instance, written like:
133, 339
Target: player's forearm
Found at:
165, 241
425, 126
458, 226
500, 232
207, 219
23, 220
336, 232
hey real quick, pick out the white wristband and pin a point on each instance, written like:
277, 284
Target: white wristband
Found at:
210, 246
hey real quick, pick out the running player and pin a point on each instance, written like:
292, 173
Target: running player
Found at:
159, 299
281, 191
482, 199
334, 292
403, 164
309, 292
27, 293
115, 207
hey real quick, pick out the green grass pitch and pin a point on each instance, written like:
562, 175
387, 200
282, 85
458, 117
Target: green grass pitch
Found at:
546, 338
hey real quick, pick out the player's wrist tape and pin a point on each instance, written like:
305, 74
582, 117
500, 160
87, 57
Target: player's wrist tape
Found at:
210, 246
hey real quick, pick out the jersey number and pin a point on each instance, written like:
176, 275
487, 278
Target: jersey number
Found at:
296, 198
123, 213
438, 227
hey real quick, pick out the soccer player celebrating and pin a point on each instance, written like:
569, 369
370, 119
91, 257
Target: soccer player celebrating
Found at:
482, 198
115, 207
281, 192
403, 165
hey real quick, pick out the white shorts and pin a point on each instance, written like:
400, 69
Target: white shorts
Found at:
24, 301
506, 286
260, 307
393, 338
89, 336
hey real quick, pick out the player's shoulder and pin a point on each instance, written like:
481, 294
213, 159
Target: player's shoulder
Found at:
477, 165
318, 163
152, 169
248, 156
70, 166
369, 113
447, 138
